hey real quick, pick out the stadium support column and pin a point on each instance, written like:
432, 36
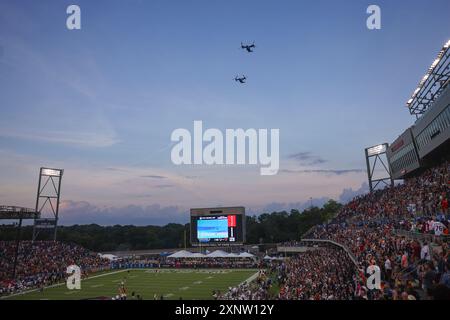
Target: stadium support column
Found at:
385, 177
47, 201
16, 252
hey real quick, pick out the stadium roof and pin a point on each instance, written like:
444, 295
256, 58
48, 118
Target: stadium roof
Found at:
246, 255
232, 255
180, 254
13, 212
432, 83
214, 254
109, 256
217, 254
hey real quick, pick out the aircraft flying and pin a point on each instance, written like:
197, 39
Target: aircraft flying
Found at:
240, 79
248, 47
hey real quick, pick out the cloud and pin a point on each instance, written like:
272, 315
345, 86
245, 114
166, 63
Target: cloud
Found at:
288, 206
164, 186
76, 103
324, 171
153, 177
307, 158
84, 139
115, 169
191, 177
138, 196
83, 212
349, 194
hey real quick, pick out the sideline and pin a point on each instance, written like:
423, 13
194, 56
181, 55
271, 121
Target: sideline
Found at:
251, 279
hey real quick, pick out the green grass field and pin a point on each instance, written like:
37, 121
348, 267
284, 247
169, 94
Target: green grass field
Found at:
171, 283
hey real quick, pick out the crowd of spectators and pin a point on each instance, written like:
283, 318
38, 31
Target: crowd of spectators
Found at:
43, 263
253, 290
228, 263
423, 196
370, 230
426, 225
369, 227
325, 273
191, 263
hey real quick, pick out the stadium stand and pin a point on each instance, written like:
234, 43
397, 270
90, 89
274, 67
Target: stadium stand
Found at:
369, 226
255, 290
323, 274
43, 263
162, 262
403, 230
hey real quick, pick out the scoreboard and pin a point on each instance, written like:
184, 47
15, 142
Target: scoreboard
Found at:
218, 226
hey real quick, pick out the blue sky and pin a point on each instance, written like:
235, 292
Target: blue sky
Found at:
101, 102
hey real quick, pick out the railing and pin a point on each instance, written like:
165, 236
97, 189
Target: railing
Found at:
349, 253
421, 236
13, 212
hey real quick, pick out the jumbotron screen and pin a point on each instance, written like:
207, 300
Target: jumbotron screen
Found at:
217, 226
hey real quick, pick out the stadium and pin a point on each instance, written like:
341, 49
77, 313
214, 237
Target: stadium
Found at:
388, 243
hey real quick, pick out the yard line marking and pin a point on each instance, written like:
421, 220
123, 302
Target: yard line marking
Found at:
198, 282
213, 271
168, 295
209, 277
70, 292
97, 285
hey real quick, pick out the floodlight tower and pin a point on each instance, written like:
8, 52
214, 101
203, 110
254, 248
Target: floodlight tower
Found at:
47, 200
376, 152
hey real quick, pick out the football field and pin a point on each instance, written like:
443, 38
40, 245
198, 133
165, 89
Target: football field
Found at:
170, 283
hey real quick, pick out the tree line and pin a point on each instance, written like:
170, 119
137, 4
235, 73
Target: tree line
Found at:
265, 228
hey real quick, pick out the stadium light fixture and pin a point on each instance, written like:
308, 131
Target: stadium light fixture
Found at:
374, 156
375, 150
48, 200
52, 172
418, 95
431, 68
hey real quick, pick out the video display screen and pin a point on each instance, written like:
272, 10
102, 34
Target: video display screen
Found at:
217, 228
212, 227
